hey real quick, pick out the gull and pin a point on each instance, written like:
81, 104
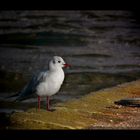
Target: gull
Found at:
46, 83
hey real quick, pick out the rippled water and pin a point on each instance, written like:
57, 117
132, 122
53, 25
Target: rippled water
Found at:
101, 41
100, 45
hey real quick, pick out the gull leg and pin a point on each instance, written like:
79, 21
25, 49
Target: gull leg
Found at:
38, 102
48, 105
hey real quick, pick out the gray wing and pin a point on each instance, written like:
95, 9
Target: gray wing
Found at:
30, 88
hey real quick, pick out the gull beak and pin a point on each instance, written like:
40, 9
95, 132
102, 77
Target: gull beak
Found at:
66, 65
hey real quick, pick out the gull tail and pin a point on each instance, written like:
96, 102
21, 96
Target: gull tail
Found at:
11, 96
17, 99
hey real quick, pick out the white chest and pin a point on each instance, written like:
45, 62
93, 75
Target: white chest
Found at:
51, 84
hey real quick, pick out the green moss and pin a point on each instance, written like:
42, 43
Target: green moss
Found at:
66, 119
77, 114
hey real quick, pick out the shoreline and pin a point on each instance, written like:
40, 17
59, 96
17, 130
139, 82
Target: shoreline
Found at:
93, 111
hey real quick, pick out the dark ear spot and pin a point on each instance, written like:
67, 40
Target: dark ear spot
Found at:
53, 61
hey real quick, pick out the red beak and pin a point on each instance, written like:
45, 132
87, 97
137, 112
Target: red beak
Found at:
66, 65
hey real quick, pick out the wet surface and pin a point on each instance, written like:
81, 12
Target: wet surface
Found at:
103, 48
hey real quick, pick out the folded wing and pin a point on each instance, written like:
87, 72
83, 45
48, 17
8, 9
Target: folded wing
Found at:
30, 88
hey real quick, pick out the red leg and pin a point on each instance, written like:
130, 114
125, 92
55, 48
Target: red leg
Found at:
38, 102
48, 105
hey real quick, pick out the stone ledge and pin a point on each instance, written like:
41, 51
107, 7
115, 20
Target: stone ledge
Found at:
83, 113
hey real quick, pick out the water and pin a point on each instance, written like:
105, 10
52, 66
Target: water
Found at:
103, 48
95, 41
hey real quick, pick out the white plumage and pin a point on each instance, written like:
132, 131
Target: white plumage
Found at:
46, 83
51, 83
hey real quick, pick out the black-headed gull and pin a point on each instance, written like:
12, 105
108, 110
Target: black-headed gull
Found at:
46, 83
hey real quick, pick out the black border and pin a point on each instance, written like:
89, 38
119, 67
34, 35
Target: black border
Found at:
69, 5
69, 134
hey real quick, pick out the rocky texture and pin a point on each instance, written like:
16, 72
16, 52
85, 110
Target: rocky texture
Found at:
94, 111
129, 102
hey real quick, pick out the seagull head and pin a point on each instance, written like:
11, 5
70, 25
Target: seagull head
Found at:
58, 62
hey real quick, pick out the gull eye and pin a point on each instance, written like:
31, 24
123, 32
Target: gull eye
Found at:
59, 61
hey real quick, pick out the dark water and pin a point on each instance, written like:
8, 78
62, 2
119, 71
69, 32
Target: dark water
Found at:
103, 48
